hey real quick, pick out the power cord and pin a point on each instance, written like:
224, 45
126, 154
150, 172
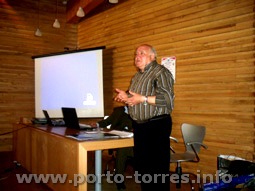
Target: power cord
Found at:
24, 126
7, 172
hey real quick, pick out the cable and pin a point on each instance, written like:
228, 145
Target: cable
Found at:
7, 172
25, 126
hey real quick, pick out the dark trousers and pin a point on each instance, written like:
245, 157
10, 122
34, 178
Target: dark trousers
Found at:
152, 153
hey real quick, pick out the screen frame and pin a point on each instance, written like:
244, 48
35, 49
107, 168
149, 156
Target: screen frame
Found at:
39, 114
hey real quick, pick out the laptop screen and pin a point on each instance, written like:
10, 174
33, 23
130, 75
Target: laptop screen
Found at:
70, 117
47, 117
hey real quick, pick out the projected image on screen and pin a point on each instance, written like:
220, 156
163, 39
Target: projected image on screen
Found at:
70, 80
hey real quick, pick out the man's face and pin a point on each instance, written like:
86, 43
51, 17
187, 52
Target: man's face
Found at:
143, 56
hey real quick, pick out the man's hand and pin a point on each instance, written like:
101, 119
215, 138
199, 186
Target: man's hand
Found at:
93, 124
134, 99
121, 96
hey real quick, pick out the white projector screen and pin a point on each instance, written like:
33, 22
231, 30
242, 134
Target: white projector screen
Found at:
70, 79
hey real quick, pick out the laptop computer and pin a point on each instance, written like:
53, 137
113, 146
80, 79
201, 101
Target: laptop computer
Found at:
53, 122
72, 121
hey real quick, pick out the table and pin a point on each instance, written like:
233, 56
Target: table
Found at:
47, 150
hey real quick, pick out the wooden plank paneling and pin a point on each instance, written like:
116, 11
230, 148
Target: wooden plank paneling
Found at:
213, 41
18, 21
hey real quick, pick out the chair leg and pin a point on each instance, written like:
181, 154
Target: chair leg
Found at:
199, 183
191, 185
178, 171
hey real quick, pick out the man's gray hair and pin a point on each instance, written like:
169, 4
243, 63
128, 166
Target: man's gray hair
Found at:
153, 50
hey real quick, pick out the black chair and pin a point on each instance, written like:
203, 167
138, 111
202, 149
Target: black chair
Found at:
110, 165
193, 136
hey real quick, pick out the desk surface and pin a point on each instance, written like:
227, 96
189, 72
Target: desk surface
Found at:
61, 131
90, 145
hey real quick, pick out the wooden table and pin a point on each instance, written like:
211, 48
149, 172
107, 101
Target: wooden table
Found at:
47, 150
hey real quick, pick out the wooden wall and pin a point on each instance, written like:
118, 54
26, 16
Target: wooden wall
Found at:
18, 21
213, 41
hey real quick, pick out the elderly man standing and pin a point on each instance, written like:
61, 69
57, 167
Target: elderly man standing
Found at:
150, 99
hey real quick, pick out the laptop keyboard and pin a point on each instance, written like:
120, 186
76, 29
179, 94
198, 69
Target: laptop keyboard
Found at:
58, 122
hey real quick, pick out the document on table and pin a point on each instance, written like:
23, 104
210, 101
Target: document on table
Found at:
95, 135
122, 134
91, 135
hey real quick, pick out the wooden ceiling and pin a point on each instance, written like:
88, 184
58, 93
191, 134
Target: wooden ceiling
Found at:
90, 7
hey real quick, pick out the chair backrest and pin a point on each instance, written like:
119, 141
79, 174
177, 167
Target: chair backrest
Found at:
193, 133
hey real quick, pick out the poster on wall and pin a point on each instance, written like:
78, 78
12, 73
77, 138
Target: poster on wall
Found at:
170, 64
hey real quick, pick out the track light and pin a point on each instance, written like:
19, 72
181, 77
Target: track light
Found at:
80, 12
113, 1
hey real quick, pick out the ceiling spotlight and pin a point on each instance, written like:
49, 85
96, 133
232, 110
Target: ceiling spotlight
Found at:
38, 32
56, 24
80, 12
113, 1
